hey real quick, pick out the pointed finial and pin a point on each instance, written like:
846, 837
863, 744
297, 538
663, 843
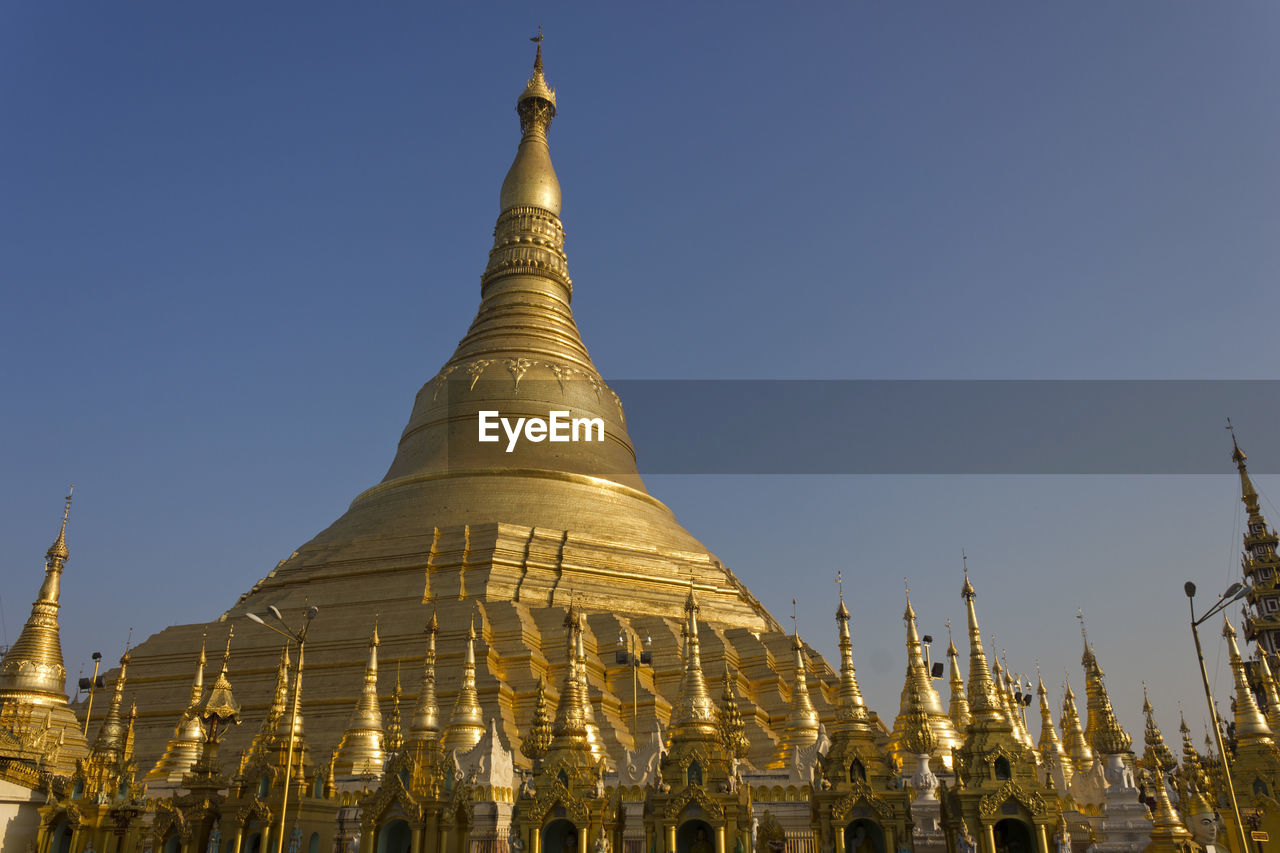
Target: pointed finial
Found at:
226, 653
373, 640
842, 612
795, 624
1084, 631
966, 591
58, 550
1237, 455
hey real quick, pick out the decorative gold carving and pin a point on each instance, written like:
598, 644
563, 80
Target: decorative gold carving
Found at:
476, 368
860, 792
1010, 790
696, 794
518, 367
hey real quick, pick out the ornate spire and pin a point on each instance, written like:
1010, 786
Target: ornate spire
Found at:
594, 737
1259, 560
109, 746
801, 728
33, 664
733, 732
395, 732
984, 704
1250, 726
694, 715
466, 722
1077, 745
1154, 739
1102, 730
851, 711
917, 735
1194, 778
959, 708
538, 740
569, 731
918, 680
1168, 835
1269, 692
426, 716
361, 752
1050, 747
220, 701
531, 181
183, 749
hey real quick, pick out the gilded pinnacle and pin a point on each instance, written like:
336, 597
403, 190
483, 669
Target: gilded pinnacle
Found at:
1251, 727
694, 715
426, 716
33, 664
466, 722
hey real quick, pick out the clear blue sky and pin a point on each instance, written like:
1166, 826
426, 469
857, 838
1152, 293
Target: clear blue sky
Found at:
235, 240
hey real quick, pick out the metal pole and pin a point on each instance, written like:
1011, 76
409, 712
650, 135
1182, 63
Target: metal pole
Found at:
293, 726
1217, 730
93, 682
635, 696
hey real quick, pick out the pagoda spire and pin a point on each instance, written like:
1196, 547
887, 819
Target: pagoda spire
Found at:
361, 752
426, 716
984, 704
801, 728
1269, 691
33, 664
1077, 745
538, 738
109, 745
395, 731
1251, 727
584, 688
569, 730
694, 715
466, 722
918, 680
733, 731
1259, 561
1102, 730
1168, 835
1154, 739
183, 748
1050, 747
959, 708
851, 711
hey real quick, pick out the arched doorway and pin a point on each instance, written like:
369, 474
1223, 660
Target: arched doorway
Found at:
394, 837
863, 836
560, 836
695, 836
173, 844
253, 844
313, 846
61, 840
1013, 836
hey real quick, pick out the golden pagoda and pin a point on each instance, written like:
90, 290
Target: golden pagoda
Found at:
918, 680
33, 680
510, 537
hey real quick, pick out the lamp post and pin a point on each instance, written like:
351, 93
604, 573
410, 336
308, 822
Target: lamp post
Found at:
628, 657
91, 684
1233, 593
299, 637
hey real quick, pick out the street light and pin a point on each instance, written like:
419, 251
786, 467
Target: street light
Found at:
628, 657
1233, 593
91, 684
299, 637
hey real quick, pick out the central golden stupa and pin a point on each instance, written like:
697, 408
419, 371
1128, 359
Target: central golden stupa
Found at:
502, 541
